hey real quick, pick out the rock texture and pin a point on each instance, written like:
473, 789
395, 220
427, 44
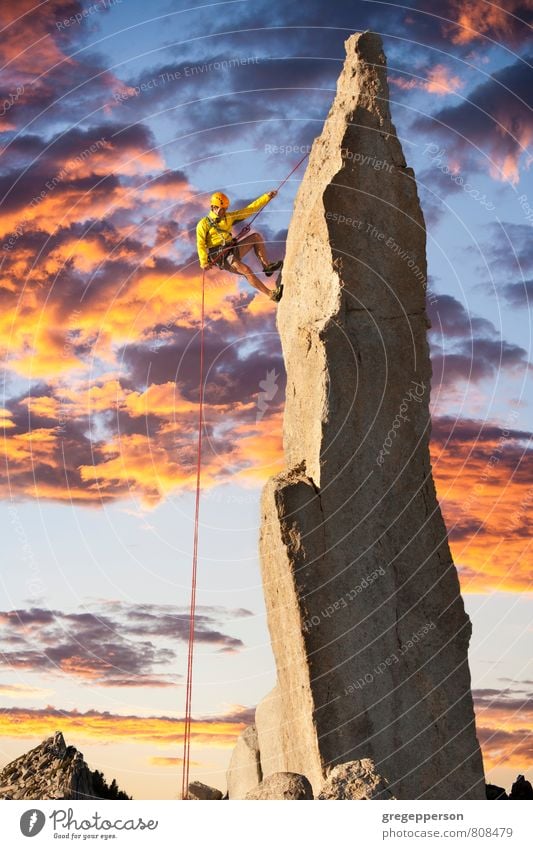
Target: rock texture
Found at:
367, 623
356, 780
203, 792
282, 786
521, 789
494, 792
54, 770
244, 772
270, 728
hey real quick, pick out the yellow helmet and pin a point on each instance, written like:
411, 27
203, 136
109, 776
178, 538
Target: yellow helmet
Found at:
220, 199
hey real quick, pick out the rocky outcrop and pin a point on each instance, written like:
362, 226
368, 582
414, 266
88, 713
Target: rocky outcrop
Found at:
521, 789
244, 771
270, 728
366, 619
282, 786
493, 792
202, 792
356, 780
54, 770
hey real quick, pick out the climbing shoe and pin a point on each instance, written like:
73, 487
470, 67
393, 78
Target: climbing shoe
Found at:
272, 267
277, 293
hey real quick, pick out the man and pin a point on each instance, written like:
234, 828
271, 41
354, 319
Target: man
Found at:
217, 246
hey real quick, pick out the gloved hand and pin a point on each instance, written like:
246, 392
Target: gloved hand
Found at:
272, 194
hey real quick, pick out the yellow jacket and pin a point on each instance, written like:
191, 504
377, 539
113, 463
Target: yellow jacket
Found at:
212, 231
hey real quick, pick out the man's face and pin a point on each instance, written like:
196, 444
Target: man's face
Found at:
219, 211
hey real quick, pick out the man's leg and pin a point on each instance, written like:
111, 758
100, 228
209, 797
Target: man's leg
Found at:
255, 241
236, 266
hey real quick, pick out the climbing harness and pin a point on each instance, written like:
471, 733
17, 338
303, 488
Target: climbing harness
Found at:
192, 606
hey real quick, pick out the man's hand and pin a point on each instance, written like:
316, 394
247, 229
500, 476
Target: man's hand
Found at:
272, 194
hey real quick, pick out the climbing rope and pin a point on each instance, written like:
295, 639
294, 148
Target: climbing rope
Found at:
242, 233
192, 606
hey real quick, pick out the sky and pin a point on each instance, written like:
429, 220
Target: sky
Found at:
117, 121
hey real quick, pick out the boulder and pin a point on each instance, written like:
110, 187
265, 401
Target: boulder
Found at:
367, 624
282, 786
355, 780
269, 724
244, 771
203, 792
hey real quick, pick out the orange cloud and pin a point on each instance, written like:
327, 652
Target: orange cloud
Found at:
440, 80
486, 497
479, 20
113, 728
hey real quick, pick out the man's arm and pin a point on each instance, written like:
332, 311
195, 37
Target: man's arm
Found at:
202, 229
254, 206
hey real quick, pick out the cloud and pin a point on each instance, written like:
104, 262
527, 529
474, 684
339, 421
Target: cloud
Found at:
439, 80
518, 295
118, 646
504, 727
92, 725
479, 20
466, 347
485, 488
496, 118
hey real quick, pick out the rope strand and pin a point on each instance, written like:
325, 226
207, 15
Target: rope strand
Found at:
192, 607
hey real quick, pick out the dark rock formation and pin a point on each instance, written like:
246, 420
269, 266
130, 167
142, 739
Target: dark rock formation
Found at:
54, 770
494, 792
521, 789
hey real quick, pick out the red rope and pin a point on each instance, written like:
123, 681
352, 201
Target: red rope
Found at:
192, 607
248, 227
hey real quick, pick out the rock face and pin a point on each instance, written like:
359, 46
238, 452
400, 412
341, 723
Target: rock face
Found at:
54, 770
282, 786
366, 619
202, 792
356, 780
244, 772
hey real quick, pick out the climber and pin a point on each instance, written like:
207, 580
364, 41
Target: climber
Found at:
217, 245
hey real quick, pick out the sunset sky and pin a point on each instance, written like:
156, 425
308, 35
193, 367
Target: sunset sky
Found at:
118, 119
